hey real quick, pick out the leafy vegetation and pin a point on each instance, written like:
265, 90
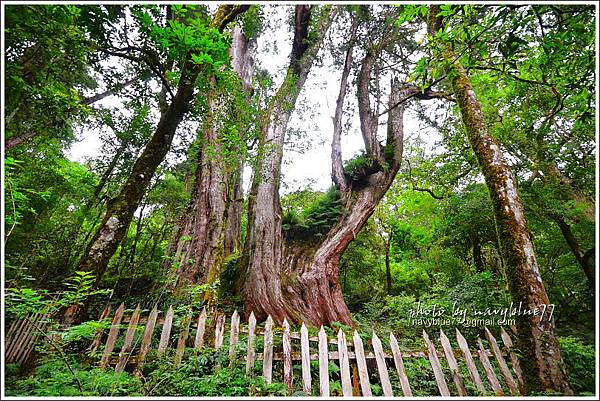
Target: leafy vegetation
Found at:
108, 75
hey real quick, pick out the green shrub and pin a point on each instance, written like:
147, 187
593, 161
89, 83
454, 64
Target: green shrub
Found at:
52, 378
359, 167
579, 359
314, 220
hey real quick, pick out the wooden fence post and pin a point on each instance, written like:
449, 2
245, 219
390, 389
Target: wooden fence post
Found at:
464, 347
127, 345
251, 352
400, 366
323, 364
219, 329
166, 331
183, 336
453, 364
268, 351
199, 339
489, 370
146, 340
344, 364
233, 336
435, 365
382, 367
112, 336
305, 350
510, 381
287, 356
363, 373
513, 358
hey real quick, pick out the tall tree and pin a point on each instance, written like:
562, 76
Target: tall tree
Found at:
543, 368
296, 276
121, 208
209, 230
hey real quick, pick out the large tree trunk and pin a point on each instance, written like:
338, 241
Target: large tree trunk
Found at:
210, 227
299, 280
263, 250
542, 365
120, 209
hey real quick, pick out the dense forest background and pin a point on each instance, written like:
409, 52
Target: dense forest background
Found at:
185, 202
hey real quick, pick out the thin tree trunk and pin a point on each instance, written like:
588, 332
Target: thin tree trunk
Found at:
477, 257
541, 361
388, 270
580, 256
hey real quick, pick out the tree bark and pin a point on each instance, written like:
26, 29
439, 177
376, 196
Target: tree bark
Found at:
120, 209
210, 227
542, 365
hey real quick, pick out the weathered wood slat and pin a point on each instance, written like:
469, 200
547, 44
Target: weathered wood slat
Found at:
344, 365
305, 350
268, 351
20, 334
20, 337
31, 338
127, 344
323, 364
166, 331
361, 362
112, 336
147, 339
251, 351
183, 336
219, 330
437, 368
233, 335
98, 336
287, 356
508, 377
201, 327
386, 386
513, 357
400, 366
453, 364
489, 370
470, 362
9, 334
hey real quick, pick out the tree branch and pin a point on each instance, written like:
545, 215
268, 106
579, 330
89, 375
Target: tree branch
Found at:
337, 168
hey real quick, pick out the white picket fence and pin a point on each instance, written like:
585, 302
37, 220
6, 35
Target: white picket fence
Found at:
194, 332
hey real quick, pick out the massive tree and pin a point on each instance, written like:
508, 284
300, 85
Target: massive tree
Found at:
209, 230
541, 360
121, 208
294, 274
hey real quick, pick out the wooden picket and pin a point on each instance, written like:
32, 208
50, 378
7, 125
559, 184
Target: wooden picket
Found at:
351, 355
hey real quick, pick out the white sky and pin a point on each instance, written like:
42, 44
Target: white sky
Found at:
319, 93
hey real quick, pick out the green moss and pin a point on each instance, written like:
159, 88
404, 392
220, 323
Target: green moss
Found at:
316, 219
360, 167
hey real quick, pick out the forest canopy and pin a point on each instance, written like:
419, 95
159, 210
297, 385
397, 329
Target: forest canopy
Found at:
327, 165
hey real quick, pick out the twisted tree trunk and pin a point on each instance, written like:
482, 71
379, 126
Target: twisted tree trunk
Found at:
298, 280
